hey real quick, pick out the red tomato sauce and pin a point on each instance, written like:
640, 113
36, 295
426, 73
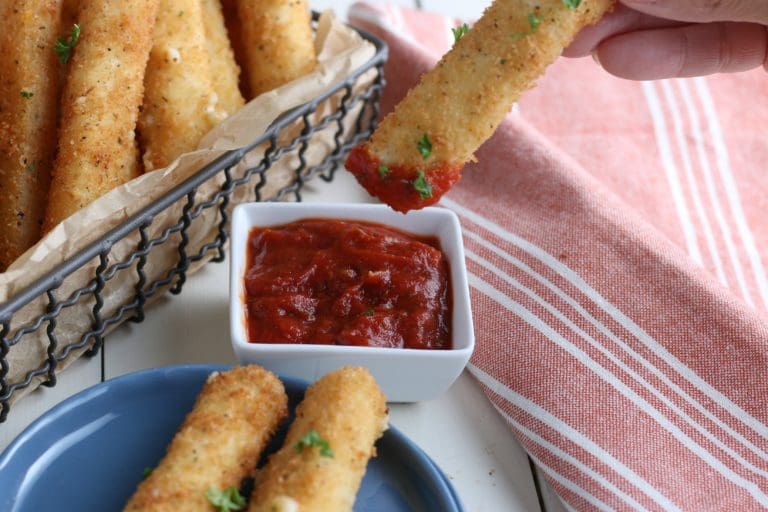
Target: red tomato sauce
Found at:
331, 282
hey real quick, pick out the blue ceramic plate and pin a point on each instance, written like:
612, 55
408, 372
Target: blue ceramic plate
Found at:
89, 452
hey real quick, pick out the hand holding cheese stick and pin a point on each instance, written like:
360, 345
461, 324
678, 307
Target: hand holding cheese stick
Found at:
418, 151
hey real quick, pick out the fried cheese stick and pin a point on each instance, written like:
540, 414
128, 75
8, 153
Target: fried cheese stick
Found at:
29, 97
100, 104
224, 69
277, 40
219, 442
179, 102
326, 450
418, 151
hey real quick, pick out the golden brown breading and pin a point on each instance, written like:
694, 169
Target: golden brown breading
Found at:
225, 71
347, 410
69, 12
29, 96
234, 30
460, 103
219, 442
277, 40
100, 104
179, 103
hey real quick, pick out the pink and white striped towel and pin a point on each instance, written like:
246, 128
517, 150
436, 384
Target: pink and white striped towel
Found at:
617, 245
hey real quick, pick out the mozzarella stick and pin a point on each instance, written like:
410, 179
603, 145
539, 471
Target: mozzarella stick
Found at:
234, 30
100, 104
322, 462
418, 151
179, 102
29, 96
224, 69
218, 444
277, 40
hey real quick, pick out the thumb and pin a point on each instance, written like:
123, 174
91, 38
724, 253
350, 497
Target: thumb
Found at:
703, 11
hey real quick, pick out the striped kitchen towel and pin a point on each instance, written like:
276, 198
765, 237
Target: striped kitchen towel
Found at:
617, 244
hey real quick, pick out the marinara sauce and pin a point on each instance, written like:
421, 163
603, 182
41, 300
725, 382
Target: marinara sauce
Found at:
335, 282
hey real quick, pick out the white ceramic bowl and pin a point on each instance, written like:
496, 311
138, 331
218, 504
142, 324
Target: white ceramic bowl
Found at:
405, 375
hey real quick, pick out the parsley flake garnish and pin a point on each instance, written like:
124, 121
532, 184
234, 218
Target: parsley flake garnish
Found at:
181, 13
425, 146
368, 312
422, 186
383, 171
572, 4
27, 94
227, 500
146, 472
312, 438
459, 32
30, 167
63, 47
534, 21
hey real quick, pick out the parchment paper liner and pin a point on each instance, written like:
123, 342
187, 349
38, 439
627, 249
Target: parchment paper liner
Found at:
341, 51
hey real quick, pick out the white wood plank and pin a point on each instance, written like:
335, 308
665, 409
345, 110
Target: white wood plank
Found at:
457, 8
82, 374
468, 439
551, 500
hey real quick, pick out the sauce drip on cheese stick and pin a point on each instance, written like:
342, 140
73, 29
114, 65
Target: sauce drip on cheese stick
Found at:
29, 97
322, 462
277, 41
218, 444
418, 151
180, 104
100, 104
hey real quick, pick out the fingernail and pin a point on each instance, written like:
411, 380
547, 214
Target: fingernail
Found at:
596, 58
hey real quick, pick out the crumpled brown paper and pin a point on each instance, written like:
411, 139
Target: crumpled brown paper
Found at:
341, 51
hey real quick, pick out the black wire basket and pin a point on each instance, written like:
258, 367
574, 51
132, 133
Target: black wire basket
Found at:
348, 109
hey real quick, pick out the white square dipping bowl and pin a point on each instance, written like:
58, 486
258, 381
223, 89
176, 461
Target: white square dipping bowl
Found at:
405, 375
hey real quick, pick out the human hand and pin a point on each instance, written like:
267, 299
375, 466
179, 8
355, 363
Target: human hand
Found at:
652, 39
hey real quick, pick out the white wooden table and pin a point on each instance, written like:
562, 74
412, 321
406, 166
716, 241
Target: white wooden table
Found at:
460, 431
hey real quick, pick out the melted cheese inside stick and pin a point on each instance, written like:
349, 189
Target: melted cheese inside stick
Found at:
418, 151
218, 444
322, 462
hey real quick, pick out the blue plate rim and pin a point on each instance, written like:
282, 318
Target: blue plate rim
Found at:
126, 379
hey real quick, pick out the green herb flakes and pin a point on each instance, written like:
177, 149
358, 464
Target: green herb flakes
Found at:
63, 47
227, 500
27, 94
422, 186
312, 438
425, 146
534, 21
384, 171
459, 32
